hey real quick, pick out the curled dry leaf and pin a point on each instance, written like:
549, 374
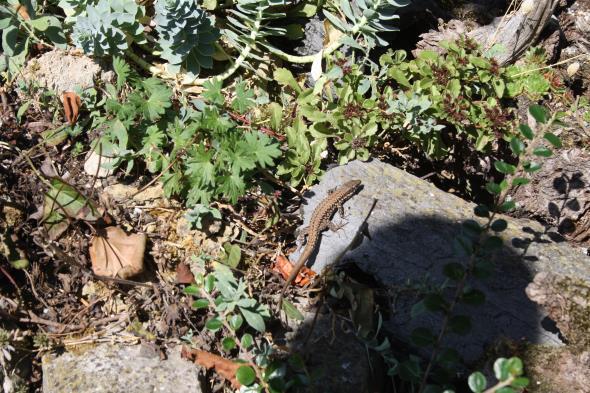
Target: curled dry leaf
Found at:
72, 104
284, 267
117, 254
184, 274
224, 367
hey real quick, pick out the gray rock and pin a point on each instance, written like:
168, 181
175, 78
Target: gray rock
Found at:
412, 229
113, 369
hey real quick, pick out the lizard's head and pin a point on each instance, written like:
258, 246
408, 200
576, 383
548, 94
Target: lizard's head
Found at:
353, 183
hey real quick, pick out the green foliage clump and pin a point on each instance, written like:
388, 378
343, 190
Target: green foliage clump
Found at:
466, 89
107, 27
202, 155
186, 35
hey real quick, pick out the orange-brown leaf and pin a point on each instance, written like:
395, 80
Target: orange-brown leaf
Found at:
284, 267
224, 367
184, 274
72, 104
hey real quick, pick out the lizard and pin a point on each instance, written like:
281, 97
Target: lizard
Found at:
320, 221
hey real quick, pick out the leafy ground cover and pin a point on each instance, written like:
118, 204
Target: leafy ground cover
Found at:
208, 110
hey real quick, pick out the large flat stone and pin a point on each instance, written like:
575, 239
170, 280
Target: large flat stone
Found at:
411, 234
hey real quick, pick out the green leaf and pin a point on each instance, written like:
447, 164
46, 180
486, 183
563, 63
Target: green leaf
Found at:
214, 324
460, 324
477, 382
243, 99
473, 297
454, 271
504, 167
501, 369
235, 321
553, 139
228, 343
539, 113
531, 167
22, 110
507, 206
292, 311
526, 131
515, 367
246, 375
520, 181
254, 319
493, 188
493, 243
520, 382
212, 91
276, 115
209, 283
233, 254
285, 78
423, 337
517, 146
499, 225
9, 37
499, 87
200, 303
191, 290
542, 151
435, 302
247, 340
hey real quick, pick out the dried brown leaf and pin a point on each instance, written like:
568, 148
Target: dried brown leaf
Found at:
117, 254
72, 104
224, 367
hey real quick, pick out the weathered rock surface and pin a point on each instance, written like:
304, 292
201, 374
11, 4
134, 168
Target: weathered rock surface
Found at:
114, 369
411, 234
60, 71
559, 194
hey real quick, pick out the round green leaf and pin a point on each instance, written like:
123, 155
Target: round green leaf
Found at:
247, 340
253, 319
507, 206
228, 343
516, 145
501, 370
200, 303
214, 324
246, 375
235, 321
531, 167
477, 382
435, 302
492, 243
499, 225
514, 365
520, 382
493, 188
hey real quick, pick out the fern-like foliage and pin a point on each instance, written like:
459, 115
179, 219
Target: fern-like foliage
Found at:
107, 27
186, 35
366, 17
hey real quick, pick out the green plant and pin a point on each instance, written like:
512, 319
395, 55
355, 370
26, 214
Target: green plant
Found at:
186, 35
508, 372
21, 27
466, 90
196, 214
228, 306
108, 27
200, 155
